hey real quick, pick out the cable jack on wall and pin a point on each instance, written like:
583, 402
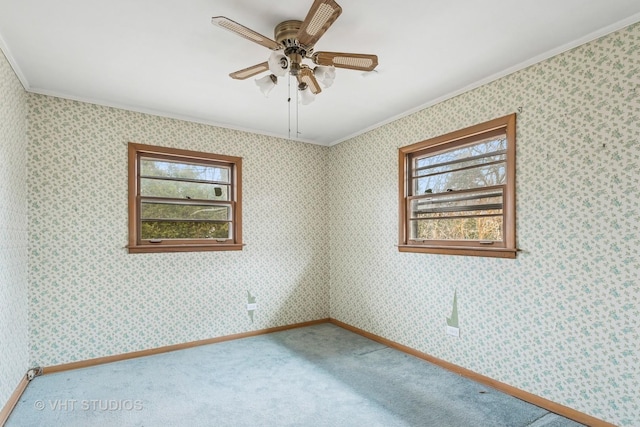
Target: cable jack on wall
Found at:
34, 372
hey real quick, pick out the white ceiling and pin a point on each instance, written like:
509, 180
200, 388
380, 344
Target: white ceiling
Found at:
165, 57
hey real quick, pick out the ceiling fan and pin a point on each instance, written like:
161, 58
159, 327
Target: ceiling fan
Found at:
294, 42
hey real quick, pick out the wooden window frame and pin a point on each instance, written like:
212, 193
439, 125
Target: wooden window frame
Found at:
506, 248
139, 245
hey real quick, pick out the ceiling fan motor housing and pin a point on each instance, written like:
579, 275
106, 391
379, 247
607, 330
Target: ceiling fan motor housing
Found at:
286, 34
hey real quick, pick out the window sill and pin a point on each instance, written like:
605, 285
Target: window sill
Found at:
458, 250
184, 248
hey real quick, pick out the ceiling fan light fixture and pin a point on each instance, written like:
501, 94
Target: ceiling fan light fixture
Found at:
267, 83
278, 63
306, 97
325, 74
294, 42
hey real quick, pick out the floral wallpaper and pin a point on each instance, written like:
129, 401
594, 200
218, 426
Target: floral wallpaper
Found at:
562, 320
14, 334
89, 298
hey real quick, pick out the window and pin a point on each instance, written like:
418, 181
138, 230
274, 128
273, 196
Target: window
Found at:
457, 192
183, 200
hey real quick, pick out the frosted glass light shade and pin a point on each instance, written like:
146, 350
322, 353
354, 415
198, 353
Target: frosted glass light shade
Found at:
267, 83
278, 63
325, 74
306, 96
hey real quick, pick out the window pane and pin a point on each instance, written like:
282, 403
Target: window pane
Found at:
479, 165
183, 190
458, 204
184, 212
169, 169
485, 147
184, 230
460, 164
478, 228
479, 177
463, 216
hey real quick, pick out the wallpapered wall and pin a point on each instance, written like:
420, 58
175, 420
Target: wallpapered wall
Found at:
90, 298
561, 321
14, 334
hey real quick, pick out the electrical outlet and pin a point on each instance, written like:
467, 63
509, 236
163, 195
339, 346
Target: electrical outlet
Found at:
453, 331
252, 306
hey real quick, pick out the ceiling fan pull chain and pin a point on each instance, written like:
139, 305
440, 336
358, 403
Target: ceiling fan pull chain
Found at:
297, 117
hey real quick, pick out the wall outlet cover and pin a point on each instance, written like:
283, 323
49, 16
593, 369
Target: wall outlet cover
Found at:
453, 331
251, 305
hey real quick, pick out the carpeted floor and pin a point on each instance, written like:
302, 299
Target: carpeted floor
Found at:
319, 375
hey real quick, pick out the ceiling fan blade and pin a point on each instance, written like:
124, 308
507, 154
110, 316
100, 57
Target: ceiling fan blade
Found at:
245, 73
245, 32
352, 61
322, 14
306, 76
